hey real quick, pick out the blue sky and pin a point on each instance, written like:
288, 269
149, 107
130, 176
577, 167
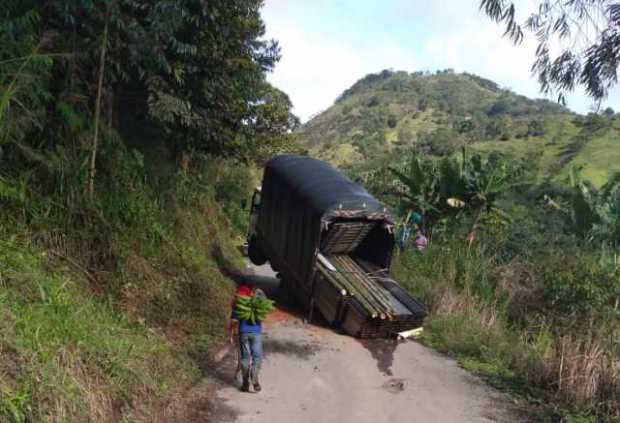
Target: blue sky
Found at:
327, 45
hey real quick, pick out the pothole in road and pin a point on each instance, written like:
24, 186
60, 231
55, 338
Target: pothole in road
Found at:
395, 385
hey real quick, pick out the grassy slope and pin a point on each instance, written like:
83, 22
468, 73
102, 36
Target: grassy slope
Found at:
120, 329
543, 152
598, 158
68, 355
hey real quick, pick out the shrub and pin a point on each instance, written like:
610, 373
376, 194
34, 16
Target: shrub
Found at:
578, 288
392, 121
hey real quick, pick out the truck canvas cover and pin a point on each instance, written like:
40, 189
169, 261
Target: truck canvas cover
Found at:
301, 197
321, 187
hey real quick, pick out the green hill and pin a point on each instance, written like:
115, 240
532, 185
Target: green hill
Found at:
387, 113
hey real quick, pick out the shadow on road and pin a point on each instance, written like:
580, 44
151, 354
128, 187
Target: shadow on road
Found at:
223, 371
382, 350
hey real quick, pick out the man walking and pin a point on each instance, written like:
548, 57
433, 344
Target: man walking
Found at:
250, 340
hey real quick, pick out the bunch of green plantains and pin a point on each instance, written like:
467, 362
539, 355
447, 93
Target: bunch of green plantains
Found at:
253, 309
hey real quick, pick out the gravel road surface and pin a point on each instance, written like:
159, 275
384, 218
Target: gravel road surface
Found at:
311, 374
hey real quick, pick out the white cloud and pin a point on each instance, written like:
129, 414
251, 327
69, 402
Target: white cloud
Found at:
481, 50
314, 69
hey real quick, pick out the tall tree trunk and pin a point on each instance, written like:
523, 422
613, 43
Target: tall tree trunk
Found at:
93, 153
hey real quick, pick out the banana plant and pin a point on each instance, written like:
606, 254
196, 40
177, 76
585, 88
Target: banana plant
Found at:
471, 184
608, 210
596, 213
455, 186
418, 188
484, 183
583, 204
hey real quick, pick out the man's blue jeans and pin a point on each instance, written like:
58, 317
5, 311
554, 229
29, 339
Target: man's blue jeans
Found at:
251, 351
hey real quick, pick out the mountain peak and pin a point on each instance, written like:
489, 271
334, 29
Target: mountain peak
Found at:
391, 110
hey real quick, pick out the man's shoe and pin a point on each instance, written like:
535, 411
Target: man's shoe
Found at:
245, 386
257, 387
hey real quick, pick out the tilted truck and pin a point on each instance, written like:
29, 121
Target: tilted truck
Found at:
332, 243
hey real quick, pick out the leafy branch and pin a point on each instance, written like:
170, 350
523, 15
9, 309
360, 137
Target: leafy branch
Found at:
587, 33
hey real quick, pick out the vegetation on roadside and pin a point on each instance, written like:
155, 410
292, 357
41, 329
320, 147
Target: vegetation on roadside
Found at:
532, 301
540, 326
111, 317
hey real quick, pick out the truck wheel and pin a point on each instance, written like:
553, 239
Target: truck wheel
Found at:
286, 289
256, 255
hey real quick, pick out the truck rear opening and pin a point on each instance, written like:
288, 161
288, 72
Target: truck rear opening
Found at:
357, 294
332, 241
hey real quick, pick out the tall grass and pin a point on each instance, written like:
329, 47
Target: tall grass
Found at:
544, 330
66, 355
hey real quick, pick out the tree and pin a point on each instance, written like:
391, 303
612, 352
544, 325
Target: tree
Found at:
500, 107
499, 127
24, 71
196, 68
74, 75
418, 186
392, 121
405, 136
270, 126
595, 214
440, 142
464, 126
454, 187
581, 60
535, 128
100, 76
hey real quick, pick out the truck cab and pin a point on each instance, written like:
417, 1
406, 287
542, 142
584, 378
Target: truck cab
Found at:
254, 210
252, 249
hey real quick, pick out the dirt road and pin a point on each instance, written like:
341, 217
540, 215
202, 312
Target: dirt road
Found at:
313, 374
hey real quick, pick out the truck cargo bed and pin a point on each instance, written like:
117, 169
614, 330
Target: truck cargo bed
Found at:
363, 304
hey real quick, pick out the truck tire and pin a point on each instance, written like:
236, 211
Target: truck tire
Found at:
286, 288
256, 255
